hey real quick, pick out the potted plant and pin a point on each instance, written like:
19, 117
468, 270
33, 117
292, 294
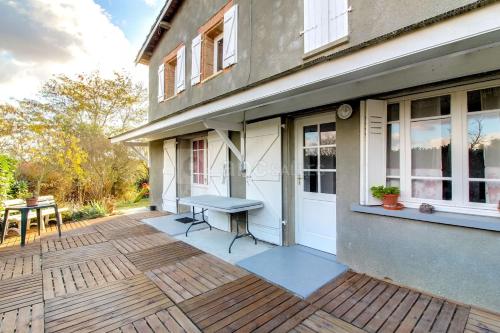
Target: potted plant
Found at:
31, 200
389, 196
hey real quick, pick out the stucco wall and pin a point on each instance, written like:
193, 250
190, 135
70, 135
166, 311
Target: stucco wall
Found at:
458, 263
269, 40
156, 173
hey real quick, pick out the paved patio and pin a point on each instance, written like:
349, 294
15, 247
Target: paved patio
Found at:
119, 274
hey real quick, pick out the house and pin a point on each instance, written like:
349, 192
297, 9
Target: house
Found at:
306, 104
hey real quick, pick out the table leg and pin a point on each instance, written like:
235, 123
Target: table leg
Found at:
238, 235
58, 219
38, 220
24, 225
198, 222
4, 225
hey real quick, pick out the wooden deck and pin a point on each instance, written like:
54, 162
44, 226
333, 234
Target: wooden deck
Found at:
116, 274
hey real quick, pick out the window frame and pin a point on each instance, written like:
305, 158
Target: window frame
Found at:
205, 162
459, 151
216, 53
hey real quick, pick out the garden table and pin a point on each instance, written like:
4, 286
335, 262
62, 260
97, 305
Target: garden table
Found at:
24, 210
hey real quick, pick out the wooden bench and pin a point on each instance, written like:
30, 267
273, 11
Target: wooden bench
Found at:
46, 212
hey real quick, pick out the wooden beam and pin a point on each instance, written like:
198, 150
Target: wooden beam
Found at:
230, 144
222, 125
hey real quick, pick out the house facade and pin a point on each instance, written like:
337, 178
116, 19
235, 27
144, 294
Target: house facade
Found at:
307, 104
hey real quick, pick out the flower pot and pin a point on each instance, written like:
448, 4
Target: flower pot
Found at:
31, 201
390, 201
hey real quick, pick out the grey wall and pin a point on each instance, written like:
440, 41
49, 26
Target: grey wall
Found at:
458, 263
269, 41
156, 173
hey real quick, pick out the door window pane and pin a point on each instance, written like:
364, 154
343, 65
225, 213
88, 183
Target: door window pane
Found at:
431, 148
484, 99
483, 131
484, 192
431, 189
311, 181
328, 182
310, 158
393, 149
311, 137
393, 112
328, 158
328, 134
430, 107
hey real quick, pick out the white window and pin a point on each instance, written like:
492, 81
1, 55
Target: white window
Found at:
218, 50
325, 21
444, 149
199, 162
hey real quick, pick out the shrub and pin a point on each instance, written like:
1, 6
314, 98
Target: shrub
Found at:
379, 191
91, 211
7, 168
19, 189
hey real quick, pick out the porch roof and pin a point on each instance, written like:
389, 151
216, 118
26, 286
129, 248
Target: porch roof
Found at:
457, 47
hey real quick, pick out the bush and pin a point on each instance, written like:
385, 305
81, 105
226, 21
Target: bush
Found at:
19, 189
7, 169
91, 211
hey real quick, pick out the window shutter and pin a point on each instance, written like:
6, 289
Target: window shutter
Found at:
180, 75
315, 24
337, 15
230, 50
373, 159
161, 83
196, 60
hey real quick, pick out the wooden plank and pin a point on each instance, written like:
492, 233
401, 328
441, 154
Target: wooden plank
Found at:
77, 255
430, 314
20, 292
409, 323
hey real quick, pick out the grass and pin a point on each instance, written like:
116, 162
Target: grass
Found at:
129, 204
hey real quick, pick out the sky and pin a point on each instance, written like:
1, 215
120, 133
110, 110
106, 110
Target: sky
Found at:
42, 38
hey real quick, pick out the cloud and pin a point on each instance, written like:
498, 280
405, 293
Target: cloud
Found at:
150, 3
41, 38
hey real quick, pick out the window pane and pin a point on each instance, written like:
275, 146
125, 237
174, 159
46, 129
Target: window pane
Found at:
431, 189
484, 99
393, 112
328, 133
311, 135
195, 145
393, 182
310, 158
220, 44
311, 181
328, 158
483, 131
431, 148
484, 192
195, 161
430, 107
393, 149
195, 178
201, 161
328, 182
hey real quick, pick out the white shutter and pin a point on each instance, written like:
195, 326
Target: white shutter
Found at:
374, 141
196, 60
169, 195
263, 157
315, 24
337, 12
218, 177
230, 47
180, 70
161, 83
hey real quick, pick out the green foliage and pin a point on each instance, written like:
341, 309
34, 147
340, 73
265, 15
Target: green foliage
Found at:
379, 191
19, 189
91, 211
7, 170
142, 194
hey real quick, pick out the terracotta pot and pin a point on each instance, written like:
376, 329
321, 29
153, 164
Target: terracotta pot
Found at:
31, 201
390, 201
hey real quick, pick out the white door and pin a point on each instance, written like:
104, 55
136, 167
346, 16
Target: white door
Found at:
169, 195
218, 177
315, 212
263, 157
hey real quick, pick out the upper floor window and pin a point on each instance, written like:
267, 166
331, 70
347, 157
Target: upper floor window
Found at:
215, 48
445, 149
325, 21
171, 74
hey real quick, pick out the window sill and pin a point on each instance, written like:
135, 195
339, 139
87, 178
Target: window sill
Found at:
325, 47
460, 220
214, 75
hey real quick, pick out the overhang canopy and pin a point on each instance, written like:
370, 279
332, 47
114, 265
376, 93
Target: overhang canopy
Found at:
464, 45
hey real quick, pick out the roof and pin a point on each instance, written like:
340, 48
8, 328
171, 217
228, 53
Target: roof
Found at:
160, 26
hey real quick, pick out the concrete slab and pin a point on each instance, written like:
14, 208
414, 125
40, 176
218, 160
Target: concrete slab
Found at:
216, 242
297, 268
170, 226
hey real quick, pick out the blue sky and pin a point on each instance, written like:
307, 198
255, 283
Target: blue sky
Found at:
43, 38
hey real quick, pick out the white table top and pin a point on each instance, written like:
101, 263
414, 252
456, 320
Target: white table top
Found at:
220, 203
